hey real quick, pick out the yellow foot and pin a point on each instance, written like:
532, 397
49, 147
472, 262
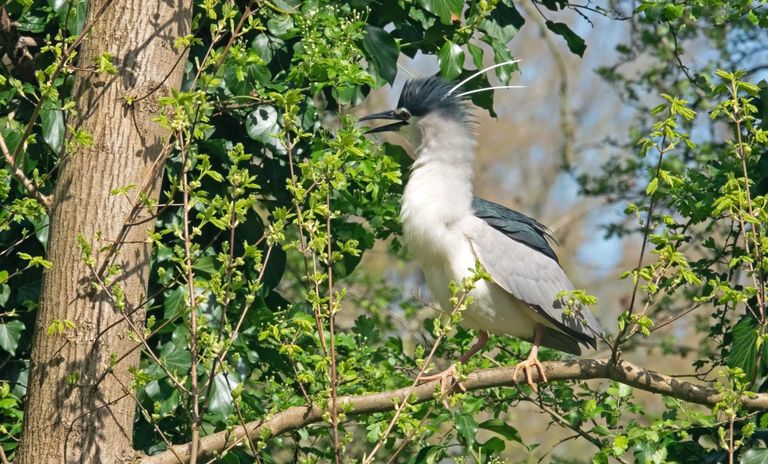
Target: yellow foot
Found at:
526, 366
448, 380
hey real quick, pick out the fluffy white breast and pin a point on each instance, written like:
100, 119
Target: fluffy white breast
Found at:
436, 213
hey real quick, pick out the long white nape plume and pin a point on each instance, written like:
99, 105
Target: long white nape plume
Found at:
495, 87
484, 70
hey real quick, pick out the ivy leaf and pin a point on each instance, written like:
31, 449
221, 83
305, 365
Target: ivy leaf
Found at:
383, 52
281, 26
52, 123
446, 10
178, 360
744, 349
5, 290
575, 43
10, 334
451, 60
174, 302
755, 456
220, 402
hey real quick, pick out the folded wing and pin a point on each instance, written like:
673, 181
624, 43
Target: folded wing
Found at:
514, 251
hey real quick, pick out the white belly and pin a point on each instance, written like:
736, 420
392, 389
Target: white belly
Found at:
445, 255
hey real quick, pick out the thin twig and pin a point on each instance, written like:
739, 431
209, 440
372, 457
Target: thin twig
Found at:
192, 306
620, 337
332, 332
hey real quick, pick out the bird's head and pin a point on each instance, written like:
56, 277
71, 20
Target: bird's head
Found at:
420, 98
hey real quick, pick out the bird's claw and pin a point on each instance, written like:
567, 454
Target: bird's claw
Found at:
526, 366
448, 381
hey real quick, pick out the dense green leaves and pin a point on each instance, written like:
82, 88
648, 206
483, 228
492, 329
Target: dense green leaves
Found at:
283, 197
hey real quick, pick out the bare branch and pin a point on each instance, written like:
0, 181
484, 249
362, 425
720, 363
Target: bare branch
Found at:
578, 369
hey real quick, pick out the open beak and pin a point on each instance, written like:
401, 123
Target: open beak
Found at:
387, 115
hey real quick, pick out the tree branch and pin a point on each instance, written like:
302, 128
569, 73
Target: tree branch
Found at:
578, 369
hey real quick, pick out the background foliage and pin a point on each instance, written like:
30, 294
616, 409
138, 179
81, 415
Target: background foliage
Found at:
272, 195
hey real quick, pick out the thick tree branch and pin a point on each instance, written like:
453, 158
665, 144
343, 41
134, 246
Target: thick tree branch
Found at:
582, 369
29, 186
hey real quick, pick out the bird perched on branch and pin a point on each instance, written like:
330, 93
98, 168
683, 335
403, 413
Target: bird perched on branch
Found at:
449, 230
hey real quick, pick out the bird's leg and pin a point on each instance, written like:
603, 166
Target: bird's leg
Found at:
482, 340
533, 360
451, 373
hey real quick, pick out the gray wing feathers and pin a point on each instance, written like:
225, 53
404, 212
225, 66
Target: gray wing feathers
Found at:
536, 279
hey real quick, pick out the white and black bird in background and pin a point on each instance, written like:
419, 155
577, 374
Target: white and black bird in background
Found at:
448, 230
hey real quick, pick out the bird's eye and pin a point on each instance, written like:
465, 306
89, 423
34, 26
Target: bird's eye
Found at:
403, 114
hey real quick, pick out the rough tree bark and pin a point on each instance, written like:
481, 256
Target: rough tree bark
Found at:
76, 409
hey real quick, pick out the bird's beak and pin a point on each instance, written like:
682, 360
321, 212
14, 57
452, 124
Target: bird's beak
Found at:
388, 115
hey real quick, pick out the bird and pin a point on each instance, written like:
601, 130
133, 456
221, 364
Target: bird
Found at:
448, 230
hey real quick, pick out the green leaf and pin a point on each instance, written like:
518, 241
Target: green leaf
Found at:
174, 302
744, 348
653, 185
10, 334
71, 13
502, 428
502, 24
5, 290
281, 26
493, 445
178, 360
220, 402
261, 44
430, 454
755, 456
501, 54
672, 12
52, 123
30, 23
575, 43
466, 426
477, 55
8, 402
554, 5
446, 10
383, 51
451, 60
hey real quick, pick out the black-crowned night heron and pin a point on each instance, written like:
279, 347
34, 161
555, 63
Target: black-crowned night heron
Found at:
448, 230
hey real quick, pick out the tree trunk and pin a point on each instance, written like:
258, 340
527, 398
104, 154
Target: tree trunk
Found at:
76, 409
